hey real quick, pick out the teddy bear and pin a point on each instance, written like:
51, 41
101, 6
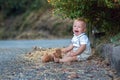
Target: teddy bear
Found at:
58, 53
47, 58
50, 57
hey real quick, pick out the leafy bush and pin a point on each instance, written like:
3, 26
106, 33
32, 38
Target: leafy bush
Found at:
105, 14
14, 7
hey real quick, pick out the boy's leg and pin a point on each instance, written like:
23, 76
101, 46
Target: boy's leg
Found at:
68, 59
66, 55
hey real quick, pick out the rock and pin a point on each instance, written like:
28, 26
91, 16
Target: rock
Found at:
112, 53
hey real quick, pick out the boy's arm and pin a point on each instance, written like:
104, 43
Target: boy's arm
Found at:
69, 48
79, 51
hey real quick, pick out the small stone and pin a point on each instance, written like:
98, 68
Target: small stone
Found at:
73, 75
81, 71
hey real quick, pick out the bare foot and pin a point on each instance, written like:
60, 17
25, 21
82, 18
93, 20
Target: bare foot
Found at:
56, 59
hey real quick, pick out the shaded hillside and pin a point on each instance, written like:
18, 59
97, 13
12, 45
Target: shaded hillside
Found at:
30, 19
35, 25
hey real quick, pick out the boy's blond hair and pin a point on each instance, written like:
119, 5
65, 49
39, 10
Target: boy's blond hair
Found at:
82, 20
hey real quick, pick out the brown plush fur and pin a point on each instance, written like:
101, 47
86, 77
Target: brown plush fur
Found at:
58, 53
47, 58
50, 57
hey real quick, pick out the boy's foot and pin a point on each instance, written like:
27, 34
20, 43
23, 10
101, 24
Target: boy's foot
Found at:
56, 59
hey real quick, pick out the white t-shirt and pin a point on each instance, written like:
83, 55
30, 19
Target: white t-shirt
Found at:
81, 39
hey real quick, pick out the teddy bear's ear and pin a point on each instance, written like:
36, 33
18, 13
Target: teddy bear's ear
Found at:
58, 51
57, 55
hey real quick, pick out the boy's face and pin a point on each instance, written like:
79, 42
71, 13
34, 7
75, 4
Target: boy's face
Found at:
78, 27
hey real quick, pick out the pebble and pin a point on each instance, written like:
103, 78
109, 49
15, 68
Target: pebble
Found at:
21, 69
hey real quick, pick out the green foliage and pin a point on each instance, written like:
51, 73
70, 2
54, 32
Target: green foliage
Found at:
37, 4
15, 7
102, 13
116, 38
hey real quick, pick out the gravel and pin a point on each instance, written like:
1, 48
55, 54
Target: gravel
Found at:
13, 66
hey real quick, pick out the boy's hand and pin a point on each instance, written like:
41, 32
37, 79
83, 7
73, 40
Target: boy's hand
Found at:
72, 53
63, 50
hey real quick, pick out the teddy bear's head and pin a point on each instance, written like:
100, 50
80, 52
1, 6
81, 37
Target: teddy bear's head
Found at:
47, 58
50, 57
58, 53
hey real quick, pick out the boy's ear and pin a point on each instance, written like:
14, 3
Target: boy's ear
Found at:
85, 29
